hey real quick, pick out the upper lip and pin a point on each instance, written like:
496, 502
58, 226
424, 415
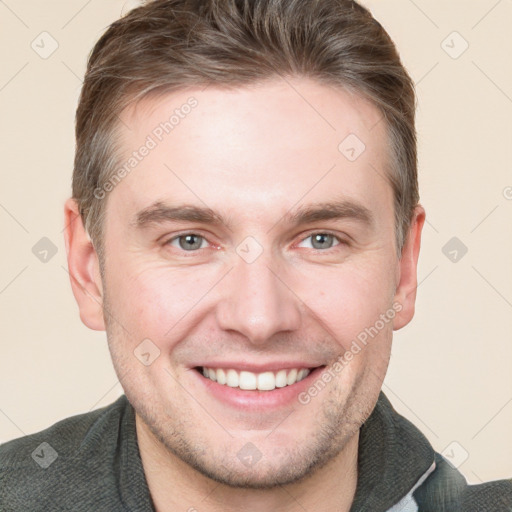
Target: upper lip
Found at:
258, 367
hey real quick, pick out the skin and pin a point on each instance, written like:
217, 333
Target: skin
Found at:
252, 155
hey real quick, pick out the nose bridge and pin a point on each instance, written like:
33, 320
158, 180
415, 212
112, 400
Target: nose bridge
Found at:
256, 302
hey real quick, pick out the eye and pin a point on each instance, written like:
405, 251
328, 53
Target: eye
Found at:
188, 241
322, 241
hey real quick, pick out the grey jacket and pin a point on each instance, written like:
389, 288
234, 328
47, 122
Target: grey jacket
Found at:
91, 462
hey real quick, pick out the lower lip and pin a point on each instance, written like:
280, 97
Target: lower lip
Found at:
256, 400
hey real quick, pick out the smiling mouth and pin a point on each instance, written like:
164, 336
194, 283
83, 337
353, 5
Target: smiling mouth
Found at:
264, 381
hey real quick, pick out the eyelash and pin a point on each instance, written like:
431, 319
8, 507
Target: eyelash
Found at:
340, 241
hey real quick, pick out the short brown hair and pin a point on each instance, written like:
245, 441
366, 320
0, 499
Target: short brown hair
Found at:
167, 45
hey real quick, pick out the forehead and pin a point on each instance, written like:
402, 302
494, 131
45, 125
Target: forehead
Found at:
253, 149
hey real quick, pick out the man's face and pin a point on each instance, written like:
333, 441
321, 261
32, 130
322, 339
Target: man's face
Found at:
258, 287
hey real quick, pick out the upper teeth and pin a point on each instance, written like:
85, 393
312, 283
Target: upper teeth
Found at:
265, 381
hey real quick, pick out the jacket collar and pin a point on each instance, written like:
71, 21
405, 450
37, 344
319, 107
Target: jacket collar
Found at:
394, 457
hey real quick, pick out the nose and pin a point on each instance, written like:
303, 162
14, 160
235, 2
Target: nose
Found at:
257, 302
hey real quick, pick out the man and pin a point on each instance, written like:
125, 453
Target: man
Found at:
245, 226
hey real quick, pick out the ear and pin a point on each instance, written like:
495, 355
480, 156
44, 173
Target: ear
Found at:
83, 265
407, 271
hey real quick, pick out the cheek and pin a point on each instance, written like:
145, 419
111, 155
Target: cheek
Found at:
156, 302
347, 300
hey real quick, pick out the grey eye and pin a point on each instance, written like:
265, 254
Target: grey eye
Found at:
188, 242
321, 241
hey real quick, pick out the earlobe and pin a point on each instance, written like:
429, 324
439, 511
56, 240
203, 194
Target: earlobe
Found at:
405, 294
83, 267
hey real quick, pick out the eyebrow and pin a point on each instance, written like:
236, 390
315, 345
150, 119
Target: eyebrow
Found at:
159, 213
342, 209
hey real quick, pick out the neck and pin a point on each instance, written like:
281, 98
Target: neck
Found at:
174, 485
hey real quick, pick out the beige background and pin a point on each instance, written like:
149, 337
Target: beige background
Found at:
451, 369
